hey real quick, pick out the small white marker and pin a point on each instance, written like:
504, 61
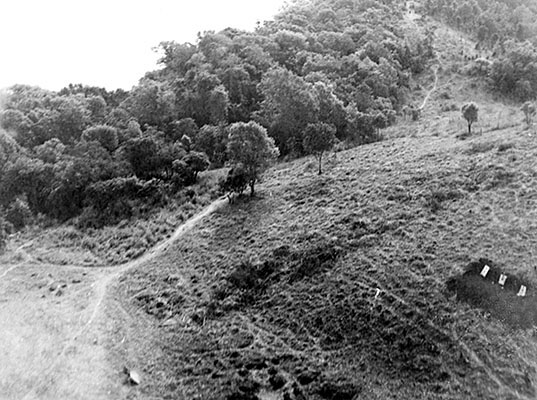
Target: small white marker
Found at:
522, 291
377, 294
502, 279
485, 271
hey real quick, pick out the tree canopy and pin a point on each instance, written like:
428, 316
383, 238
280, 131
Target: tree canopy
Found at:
251, 148
469, 113
319, 138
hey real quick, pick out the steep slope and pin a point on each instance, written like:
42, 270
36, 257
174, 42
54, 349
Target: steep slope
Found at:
333, 286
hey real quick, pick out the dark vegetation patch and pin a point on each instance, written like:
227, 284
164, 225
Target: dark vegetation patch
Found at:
160, 304
492, 176
500, 301
248, 281
479, 147
435, 199
505, 146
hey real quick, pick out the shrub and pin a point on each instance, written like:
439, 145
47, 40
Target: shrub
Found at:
235, 182
528, 108
4, 229
115, 199
18, 213
197, 162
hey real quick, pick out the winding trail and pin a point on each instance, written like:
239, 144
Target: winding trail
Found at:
430, 92
52, 346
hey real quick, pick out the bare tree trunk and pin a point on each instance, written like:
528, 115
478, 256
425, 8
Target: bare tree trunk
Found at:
320, 159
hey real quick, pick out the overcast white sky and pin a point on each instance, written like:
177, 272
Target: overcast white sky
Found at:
107, 43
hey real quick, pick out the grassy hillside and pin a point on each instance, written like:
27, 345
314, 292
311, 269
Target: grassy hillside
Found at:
336, 286
275, 297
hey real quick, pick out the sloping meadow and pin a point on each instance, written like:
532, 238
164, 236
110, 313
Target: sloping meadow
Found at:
334, 286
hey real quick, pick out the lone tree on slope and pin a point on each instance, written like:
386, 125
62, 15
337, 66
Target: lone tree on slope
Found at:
251, 147
469, 112
529, 111
318, 138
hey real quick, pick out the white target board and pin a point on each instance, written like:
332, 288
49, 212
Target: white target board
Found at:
485, 271
522, 291
502, 279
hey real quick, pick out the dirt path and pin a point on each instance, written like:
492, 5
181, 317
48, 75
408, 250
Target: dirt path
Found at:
430, 92
53, 329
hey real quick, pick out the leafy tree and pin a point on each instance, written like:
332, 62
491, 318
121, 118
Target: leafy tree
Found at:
528, 108
9, 150
217, 105
319, 138
97, 109
18, 213
151, 103
244, 98
103, 134
186, 142
469, 113
132, 131
287, 45
182, 127
289, 106
250, 146
17, 122
51, 151
67, 118
28, 177
212, 140
197, 162
175, 57
143, 155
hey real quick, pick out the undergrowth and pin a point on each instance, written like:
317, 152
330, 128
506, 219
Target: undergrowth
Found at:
71, 243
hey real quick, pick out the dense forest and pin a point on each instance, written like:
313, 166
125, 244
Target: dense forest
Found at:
98, 155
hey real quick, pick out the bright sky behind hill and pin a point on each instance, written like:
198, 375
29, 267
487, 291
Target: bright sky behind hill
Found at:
106, 43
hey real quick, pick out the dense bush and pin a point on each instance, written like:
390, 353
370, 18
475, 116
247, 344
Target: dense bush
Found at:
18, 213
4, 229
235, 182
115, 199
